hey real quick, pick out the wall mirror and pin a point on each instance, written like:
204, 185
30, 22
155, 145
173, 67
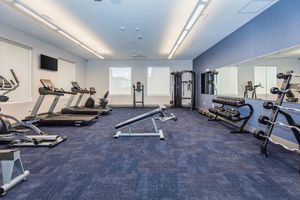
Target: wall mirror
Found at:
254, 78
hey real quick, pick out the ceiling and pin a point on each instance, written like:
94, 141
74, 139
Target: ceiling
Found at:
113, 27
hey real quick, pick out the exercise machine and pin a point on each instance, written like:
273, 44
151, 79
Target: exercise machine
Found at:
102, 106
10, 162
15, 134
57, 119
82, 110
249, 87
103, 103
183, 88
156, 114
138, 89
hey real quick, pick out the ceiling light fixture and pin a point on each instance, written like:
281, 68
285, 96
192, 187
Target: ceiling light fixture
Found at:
36, 16
68, 36
202, 4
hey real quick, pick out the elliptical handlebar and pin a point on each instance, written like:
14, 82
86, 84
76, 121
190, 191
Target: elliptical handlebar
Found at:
15, 76
9, 86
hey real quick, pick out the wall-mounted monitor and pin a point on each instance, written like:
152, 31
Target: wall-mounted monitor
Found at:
48, 63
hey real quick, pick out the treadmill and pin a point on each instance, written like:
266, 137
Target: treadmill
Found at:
56, 119
76, 109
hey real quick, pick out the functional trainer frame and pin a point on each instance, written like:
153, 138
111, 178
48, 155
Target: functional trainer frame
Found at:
156, 114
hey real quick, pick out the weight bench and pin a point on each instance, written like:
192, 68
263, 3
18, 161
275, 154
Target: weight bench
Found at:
11, 161
156, 114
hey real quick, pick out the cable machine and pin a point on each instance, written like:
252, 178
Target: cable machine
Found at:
183, 88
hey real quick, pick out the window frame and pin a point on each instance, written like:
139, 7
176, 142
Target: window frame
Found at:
29, 98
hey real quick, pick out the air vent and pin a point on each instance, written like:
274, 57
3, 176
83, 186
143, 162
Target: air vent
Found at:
255, 6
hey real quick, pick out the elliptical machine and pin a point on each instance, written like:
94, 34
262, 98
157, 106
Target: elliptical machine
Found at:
90, 102
15, 134
103, 102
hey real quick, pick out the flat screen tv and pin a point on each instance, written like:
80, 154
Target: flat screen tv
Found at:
48, 63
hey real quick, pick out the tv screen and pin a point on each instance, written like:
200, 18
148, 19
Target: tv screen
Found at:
48, 63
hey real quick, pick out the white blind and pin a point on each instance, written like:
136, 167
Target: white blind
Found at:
158, 82
16, 57
227, 81
266, 76
120, 80
65, 74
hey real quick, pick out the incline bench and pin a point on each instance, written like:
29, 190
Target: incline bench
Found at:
156, 114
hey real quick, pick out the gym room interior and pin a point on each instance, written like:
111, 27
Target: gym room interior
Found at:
138, 99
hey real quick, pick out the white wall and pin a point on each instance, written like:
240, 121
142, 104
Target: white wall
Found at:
98, 77
23, 109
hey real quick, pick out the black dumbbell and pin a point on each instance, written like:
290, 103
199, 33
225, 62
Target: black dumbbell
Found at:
275, 90
3, 98
268, 105
259, 134
264, 120
281, 76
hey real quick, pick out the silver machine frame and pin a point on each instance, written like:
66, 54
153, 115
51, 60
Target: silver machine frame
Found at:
157, 132
10, 161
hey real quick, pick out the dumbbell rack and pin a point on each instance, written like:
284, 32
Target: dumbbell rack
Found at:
276, 109
233, 115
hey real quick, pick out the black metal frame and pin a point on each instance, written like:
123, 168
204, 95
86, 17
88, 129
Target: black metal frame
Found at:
245, 118
177, 93
268, 131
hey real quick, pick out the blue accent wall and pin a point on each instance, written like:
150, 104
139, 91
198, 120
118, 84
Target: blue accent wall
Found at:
275, 29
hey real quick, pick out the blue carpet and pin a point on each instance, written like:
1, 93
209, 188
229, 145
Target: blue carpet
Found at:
197, 160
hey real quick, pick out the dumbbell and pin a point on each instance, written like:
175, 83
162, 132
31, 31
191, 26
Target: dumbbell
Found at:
3, 98
268, 105
264, 120
275, 90
281, 76
259, 134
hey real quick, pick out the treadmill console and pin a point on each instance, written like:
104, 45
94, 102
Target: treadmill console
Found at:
47, 84
75, 85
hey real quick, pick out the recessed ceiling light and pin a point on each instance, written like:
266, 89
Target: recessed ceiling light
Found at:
122, 28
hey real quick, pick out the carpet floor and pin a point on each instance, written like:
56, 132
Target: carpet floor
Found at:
197, 160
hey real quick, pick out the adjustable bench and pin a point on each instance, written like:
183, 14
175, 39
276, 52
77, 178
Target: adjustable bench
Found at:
156, 114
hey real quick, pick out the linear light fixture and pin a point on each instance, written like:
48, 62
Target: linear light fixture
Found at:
202, 4
36, 16
68, 36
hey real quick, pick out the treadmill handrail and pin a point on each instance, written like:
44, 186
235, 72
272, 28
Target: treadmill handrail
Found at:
46, 91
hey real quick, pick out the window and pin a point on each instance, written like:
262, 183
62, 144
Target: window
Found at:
227, 83
266, 76
120, 80
158, 81
65, 73
17, 57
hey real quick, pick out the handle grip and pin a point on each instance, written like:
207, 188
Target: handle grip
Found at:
15, 76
